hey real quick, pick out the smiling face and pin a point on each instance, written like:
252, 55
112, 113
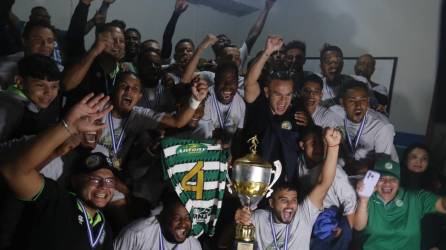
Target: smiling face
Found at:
40, 40
127, 94
355, 102
132, 41
331, 65
417, 160
226, 86
279, 94
312, 94
387, 187
41, 92
117, 50
179, 224
284, 205
96, 188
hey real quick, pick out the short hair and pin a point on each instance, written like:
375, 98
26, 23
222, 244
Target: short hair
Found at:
296, 44
225, 66
36, 8
134, 30
37, 24
151, 41
313, 78
311, 130
330, 48
120, 76
353, 84
108, 27
283, 75
170, 200
219, 52
39, 67
119, 23
284, 186
184, 40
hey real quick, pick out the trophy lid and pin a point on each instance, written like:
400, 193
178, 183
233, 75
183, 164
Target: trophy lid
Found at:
253, 158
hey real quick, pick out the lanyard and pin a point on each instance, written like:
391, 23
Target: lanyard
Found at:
107, 91
273, 230
219, 114
158, 92
93, 242
358, 134
111, 127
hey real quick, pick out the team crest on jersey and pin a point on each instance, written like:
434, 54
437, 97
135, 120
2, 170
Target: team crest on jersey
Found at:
80, 219
399, 203
193, 148
286, 125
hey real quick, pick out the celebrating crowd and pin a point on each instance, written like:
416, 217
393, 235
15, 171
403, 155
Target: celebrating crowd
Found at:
86, 138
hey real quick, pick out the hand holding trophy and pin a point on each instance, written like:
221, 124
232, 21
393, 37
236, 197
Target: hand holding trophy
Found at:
251, 180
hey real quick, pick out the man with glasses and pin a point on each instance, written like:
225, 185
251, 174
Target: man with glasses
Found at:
311, 94
54, 218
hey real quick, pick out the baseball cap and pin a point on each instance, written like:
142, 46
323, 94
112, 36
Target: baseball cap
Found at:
388, 168
93, 162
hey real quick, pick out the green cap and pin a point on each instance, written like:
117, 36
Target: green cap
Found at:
388, 168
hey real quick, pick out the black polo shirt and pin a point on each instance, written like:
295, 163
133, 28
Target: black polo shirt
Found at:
54, 221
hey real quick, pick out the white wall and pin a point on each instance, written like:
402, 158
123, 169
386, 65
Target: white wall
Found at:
407, 29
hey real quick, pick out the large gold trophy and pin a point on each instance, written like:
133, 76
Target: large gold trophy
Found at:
251, 180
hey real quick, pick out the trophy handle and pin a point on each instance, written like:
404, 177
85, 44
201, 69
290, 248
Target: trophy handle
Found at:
277, 172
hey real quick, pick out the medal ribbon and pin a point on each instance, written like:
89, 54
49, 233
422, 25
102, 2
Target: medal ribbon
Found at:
219, 115
273, 230
93, 242
111, 127
358, 134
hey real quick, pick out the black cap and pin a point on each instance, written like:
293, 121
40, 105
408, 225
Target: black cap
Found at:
93, 162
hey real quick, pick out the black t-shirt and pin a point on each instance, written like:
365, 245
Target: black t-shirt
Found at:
54, 221
96, 81
278, 134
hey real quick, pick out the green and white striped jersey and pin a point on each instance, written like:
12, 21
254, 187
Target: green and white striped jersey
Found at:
197, 170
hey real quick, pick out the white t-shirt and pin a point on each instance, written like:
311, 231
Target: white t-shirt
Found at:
144, 234
140, 119
340, 192
377, 135
325, 117
300, 228
232, 122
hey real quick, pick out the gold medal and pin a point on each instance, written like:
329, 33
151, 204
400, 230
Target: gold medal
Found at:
116, 163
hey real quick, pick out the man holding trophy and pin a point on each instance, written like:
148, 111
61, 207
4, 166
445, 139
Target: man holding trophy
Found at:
286, 224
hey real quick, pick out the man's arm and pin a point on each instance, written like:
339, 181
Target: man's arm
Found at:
188, 74
22, 174
332, 141
257, 28
75, 43
199, 93
440, 205
166, 48
252, 87
76, 73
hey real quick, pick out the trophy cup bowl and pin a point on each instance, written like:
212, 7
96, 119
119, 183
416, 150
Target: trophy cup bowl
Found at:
251, 180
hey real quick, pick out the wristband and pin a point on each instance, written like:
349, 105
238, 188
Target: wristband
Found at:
333, 145
193, 104
65, 125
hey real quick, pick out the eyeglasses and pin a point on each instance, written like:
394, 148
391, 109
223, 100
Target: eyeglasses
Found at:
108, 182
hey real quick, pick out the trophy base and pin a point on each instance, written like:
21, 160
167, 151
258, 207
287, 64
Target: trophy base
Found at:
241, 245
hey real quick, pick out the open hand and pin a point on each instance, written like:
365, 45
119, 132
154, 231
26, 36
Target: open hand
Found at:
84, 115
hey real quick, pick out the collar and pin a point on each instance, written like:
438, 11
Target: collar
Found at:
96, 219
21, 96
397, 200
